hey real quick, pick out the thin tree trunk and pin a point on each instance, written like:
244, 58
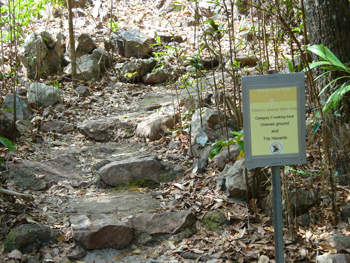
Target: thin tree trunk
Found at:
72, 43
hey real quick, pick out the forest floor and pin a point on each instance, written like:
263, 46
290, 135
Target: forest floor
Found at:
250, 234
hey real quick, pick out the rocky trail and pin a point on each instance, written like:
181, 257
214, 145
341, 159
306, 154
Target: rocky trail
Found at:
117, 169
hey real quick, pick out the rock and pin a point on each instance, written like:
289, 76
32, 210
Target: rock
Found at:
52, 126
94, 231
87, 68
85, 45
301, 200
23, 109
154, 128
166, 6
156, 77
28, 236
341, 258
199, 165
246, 60
43, 94
206, 128
49, 111
131, 43
52, 174
340, 242
232, 180
221, 159
345, 212
139, 169
174, 144
82, 91
100, 164
164, 223
8, 128
134, 70
41, 54
103, 59
303, 220
164, 37
77, 253
213, 220
26, 179
24, 126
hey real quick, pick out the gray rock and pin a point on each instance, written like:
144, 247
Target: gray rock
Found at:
106, 129
41, 54
340, 258
28, 236
340, 242
102, 58
24, 126
77, 253
52, 126
246, 60
23, 109
206, 127
156, 77
140, 169
8, 128
301, 200
82, 91
98, 130
199, 165
100, 164
221, 159
134, 70
52, 174
87, 68
232, 180
94, 231
49, 111
345, 212
174, 144
164, 223
131, 43
154, 128
86, 45
27, 180
43, 94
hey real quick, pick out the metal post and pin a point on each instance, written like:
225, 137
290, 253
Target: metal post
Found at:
277, 213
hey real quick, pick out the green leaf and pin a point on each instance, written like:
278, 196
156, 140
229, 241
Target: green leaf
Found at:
316, 126
7, 143
326, 54
216, 150
241, 145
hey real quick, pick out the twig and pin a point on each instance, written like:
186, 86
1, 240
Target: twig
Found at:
9, 192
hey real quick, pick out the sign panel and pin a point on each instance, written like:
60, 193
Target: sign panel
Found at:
274, 119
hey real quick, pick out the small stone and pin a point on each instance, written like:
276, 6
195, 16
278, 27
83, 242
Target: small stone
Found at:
77, 253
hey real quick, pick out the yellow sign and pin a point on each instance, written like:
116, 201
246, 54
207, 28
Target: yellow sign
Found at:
274, 121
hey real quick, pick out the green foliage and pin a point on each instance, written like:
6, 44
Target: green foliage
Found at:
19, 14
7, 143
331, 63
305, 174
218, 146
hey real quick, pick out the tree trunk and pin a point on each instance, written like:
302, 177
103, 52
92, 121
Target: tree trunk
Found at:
328, 24
72, 43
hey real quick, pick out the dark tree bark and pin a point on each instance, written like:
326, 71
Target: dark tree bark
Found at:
72, 43
328, 23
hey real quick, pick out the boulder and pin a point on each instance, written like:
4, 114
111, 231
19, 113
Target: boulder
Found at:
131, 43
140, 169
301, 200
163, 223
86, 45
156, 77
82, 91
134, 70
103, 59
23, 109
345, 212
41, 55
221, 159
24, 126
56, 126
98, 231
43, 94
29, 236
206, 127
87, 68
340, 242
154, 128
8, 128
99, 130
232, 180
